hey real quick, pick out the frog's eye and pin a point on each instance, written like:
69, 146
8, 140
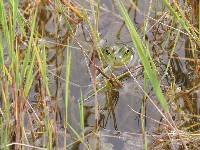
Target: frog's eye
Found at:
107, 52
127, 51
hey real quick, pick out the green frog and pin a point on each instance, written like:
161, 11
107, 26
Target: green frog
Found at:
117, 57
114, 58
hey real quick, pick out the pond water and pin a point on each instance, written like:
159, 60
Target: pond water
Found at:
116, 107
115, 111
120, 124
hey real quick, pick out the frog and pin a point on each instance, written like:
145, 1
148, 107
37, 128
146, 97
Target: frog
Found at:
114, 59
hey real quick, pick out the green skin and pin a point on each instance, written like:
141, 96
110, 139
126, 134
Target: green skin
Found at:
117, 57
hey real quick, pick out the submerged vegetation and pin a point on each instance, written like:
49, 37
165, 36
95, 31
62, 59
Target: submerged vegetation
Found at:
85, 74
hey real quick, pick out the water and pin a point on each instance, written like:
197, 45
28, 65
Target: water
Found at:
115, 105
119, 108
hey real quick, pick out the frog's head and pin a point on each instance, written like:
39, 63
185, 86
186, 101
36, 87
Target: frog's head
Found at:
118, 56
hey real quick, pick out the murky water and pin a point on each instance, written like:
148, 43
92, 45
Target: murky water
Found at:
115, 113
119, 109
119, 122
115, 110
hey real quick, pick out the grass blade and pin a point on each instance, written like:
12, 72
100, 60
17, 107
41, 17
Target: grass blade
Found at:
141, 49
67, 76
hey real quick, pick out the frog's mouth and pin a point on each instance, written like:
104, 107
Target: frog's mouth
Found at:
120, 58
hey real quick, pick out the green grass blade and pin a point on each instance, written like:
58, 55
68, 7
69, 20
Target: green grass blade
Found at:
30, 43
1, 55
5, 30
44, 69
29, 77
67, 76
81, 115
77, 135
16, 67
14, 4
142, 54
42, 66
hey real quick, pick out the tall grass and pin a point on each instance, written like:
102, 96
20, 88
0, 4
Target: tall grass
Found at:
17, 75
8, 71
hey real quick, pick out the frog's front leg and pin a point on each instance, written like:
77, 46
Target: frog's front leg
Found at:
115, 83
